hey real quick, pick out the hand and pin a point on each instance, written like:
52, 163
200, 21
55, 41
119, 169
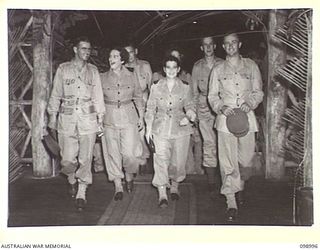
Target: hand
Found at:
245, 107
140, 124
184, 121
191, 115
226, 110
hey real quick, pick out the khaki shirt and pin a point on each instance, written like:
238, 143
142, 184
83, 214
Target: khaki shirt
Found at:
144, 73
200, 78
233, 86
77, 99
166, 109
123, 98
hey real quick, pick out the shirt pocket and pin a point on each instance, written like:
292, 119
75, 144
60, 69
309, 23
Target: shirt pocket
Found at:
226, 81
246, 80
69, 86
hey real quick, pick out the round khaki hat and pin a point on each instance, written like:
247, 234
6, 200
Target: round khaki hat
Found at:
238, 123
51, 145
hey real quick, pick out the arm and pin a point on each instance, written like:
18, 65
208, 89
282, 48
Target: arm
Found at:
147, 69
97, 96
214, 100
256, 95
189, 105
194, 86
150, 112
55, 99
137, 96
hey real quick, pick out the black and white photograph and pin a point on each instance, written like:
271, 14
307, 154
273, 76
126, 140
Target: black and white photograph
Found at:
159, 117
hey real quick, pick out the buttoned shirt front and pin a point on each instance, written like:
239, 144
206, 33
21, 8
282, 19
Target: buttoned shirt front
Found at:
200, 78
77, 97
166, 109
232, 87
123, 98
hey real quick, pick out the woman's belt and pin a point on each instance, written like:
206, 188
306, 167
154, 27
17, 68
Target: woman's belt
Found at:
118, 103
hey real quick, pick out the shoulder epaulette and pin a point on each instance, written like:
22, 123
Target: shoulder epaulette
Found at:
185, 82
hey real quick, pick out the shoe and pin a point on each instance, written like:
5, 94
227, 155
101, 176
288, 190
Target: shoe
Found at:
240, 198
118, 196
175, 196
163, 203
80, 204
129, 186
73, 189
232, 214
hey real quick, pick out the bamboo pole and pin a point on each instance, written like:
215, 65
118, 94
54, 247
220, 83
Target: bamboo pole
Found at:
276, 101
42, 164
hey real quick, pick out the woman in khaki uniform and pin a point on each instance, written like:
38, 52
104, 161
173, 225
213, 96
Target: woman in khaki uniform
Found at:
124, 115
170, 109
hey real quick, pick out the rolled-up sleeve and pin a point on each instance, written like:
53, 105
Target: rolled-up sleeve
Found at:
214, 99
256, 95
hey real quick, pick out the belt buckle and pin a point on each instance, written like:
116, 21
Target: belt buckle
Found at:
119, 103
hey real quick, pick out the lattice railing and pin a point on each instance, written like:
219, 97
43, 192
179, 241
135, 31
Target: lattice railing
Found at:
20, 93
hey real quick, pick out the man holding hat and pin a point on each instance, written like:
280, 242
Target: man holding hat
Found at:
235, 90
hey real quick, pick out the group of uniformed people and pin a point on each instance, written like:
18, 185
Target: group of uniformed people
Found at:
175, 113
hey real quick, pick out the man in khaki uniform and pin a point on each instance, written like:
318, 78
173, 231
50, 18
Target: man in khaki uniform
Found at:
76, 111
200, 77
143, 71
236, 83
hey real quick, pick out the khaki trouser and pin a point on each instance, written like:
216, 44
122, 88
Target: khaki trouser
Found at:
209, 143
170, 160
123, 149
98, 163
145, 150
81, 147
235, 158
194, 159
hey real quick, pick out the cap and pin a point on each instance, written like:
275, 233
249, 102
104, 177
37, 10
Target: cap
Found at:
238, 123
51, 145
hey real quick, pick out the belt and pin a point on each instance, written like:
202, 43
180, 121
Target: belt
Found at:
85, 110
77, 101
117, 103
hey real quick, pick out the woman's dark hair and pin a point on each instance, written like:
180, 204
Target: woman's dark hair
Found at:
124, 55
170, 59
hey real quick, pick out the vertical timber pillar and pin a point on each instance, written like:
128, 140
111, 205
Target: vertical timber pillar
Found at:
276, 101
42, 163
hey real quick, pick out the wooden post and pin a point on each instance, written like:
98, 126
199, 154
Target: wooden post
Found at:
276, 101
42, 164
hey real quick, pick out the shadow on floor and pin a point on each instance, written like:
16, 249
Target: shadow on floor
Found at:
45, 202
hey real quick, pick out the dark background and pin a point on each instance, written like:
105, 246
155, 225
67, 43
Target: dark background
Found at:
109, 28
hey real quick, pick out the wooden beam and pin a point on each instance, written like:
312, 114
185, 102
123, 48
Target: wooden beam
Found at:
42, 164
276, 101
